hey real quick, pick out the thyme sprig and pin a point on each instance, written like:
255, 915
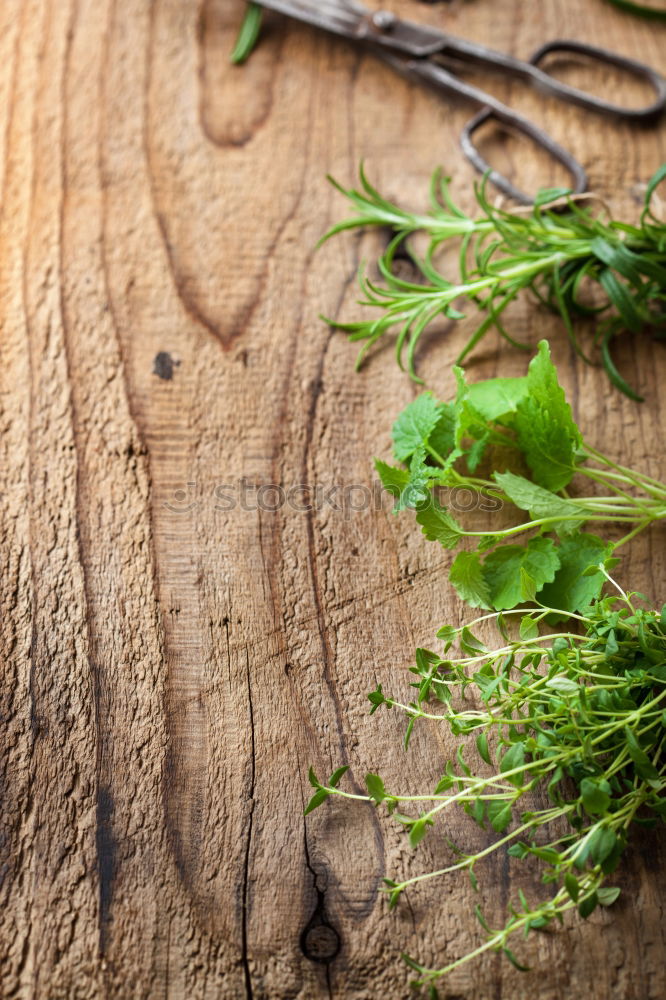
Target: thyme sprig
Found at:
554, 251
579, 716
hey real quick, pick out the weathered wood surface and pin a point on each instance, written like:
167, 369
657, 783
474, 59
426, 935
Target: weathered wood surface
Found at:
173, 666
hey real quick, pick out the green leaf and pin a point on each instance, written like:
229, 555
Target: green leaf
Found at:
595, 795
546, 195
467, 577
528, 587
418, 830
499, 814
514, 961
313, 779
469, 643
501, 570
377, 698
572, 886
415, 490
588, 906
541, 503
442, 437
514, 757
622, 299
519, 850
482, 747
546, 431
482, 920
248, 34
528, 628
571, 590
319, 796
607, 896
392, 478
563, 685
496, 397
438, 525
644, 766
375, 787
334, 780
640, 9
414, 426
601, 844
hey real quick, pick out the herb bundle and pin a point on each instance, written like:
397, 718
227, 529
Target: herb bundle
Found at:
579, 716
555, 252
524, 430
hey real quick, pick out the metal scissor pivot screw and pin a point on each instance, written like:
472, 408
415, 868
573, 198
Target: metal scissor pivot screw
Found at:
384, 20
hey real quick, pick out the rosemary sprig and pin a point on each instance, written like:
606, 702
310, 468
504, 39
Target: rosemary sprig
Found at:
551, 251
580, 716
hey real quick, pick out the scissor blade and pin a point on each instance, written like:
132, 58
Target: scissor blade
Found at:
339, 16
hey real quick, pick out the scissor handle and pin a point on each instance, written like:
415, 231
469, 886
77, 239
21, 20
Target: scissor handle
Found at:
604, 56
436, 75
533, 132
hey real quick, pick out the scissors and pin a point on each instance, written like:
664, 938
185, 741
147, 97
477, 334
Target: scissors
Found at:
426, 54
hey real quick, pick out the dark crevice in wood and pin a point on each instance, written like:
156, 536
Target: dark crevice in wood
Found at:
320, 941
106, 860
246, 864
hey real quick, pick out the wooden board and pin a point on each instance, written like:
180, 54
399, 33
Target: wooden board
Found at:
177, 650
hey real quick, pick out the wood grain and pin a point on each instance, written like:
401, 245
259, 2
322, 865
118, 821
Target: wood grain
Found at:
175, 663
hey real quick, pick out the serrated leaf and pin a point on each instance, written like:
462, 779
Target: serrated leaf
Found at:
571, 590
477, 451
442, 437
467, 577
502, 566
392, 478
547, 434
414, 426
416, 489
496, 397
438, 525
541, 503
